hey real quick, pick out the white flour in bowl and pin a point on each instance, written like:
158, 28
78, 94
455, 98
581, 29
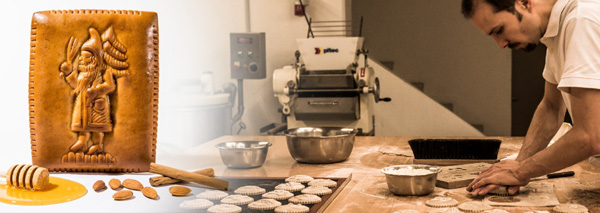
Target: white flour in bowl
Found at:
409, 172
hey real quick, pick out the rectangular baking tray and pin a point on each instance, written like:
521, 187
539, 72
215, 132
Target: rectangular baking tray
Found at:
269, 184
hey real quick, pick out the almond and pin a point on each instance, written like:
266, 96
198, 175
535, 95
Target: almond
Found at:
132, 184
149, 192
179, 190
123, 195
99, 186
114, 184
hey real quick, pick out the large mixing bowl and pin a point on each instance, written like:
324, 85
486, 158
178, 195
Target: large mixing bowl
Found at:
411, 179
243, 154
320, 145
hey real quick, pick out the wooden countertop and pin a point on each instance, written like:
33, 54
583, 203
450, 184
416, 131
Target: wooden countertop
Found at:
368, 192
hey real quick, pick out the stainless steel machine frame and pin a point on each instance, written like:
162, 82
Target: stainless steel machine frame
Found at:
329, 88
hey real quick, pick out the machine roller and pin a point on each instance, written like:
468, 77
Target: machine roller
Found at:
328, 86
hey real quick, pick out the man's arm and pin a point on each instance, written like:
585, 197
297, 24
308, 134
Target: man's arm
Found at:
576, 145
546, 120
71, 79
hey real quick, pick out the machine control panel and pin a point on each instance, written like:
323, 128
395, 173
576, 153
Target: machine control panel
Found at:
248, 58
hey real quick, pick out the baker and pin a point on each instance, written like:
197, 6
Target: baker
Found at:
571, 31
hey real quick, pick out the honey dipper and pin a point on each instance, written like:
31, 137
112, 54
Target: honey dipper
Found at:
30, 177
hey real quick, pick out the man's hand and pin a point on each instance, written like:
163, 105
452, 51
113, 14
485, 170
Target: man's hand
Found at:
66, 66
91, 93
499, 174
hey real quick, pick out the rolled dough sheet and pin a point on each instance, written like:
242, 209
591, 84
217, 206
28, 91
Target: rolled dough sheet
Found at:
534, 194
453, 177
395, 151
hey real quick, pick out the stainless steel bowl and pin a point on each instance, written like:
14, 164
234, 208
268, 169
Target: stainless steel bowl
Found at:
243, 154
401, 182
320, 145
595, 161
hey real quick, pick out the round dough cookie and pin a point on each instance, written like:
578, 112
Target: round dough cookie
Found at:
299, 179
317, 190
237, 200
224, 208
539, 211
496, 211
305, 199
474, 206
569, 208
445, 210
501, 191
322, 182
250, 190
264, 204
196, 204
278, 195
441, 202
290, 186
407, 211
212, 195
292, 208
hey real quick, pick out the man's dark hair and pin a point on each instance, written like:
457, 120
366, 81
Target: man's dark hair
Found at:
468, 6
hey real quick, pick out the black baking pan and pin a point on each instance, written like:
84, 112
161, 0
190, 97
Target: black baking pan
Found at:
455, 148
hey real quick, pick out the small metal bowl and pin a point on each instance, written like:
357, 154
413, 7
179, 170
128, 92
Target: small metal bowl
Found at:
320, 145
595, 161
402, 181
243, 154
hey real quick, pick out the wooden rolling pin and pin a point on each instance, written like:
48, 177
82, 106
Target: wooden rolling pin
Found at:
27, 177
189, 176
161, 180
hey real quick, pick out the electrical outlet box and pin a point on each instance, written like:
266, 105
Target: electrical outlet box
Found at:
248, 58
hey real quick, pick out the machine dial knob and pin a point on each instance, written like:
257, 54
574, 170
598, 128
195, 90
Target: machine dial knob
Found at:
253, 67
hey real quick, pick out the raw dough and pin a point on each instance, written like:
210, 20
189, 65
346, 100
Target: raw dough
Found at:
474, 206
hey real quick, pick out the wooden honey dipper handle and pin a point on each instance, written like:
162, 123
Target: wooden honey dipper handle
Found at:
27, 177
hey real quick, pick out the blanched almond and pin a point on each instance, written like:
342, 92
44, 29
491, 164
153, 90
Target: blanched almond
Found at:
123, 195
132, 184
179, 190
149, 192
114, 184
99, 186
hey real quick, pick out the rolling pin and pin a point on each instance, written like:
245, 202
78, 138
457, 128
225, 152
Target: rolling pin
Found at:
189, 176
27, 177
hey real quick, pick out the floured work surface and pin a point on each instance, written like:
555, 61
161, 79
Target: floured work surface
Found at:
269, 183
452, 162
93, 90
452, 177
395, 150
534, 194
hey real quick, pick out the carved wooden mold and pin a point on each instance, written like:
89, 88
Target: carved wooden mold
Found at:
93, 90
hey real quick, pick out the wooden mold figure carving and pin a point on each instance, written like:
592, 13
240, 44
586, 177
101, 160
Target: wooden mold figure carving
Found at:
92, 80
94, 104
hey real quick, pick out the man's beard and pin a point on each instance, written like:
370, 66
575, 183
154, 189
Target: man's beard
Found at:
530, 46
91, 72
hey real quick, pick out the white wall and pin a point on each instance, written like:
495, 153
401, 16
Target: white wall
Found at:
431, 42
282, 27
412, 113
